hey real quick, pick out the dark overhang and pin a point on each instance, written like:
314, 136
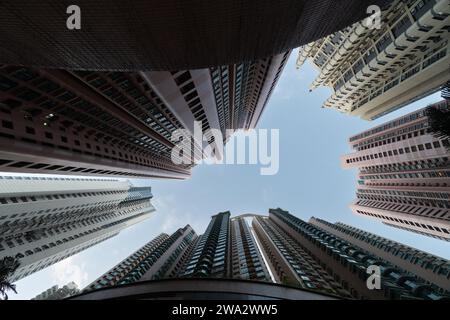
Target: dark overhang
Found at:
165, 35
203, 289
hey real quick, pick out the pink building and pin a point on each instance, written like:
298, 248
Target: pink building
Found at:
404, 175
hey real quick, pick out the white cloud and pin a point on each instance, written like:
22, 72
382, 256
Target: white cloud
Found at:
169, 217
68, 270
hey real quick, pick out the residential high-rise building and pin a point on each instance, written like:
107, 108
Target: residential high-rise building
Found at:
57, 293
227, 249
210, 256
246, 259
122, 123
430, 268
375, 67
277, 256
291, 264
159, 258
404, 174
44, 220
349, 263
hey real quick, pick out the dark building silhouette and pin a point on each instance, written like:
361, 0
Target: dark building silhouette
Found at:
166, 35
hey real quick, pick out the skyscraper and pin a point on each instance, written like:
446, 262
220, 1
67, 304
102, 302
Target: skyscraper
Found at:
159, 258
430, 268
291, 264
227, 249
404, 174
44, 220
375, 69
349, 263
57, 293
210, 256
277, 256
121, 123
246, 259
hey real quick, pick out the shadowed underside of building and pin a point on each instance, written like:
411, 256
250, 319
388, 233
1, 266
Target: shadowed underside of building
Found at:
166, 35
203, 289
125, 123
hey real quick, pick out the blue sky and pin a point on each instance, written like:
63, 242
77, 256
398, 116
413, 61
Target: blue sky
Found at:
310, 182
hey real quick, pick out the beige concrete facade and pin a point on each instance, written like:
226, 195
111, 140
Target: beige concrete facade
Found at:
404, 175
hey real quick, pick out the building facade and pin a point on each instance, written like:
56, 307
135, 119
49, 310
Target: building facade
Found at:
44, 220
227, 249
157, 259
247, 261
315, 257
430, 268
57, 293
291, 264
404, 174
122, 123
210, 257
373, 71
349, 264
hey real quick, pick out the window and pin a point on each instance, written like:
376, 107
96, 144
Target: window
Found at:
185, 76
401, 26
384, 42
30, 130
188, 87
7, 124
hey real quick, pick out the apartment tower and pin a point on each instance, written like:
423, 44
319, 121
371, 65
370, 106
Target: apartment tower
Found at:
57, 293
210, 257
430, 268
275, 256
377, 66
247, 261
125, 123
44, 220
290, 263
347, 261
160, 258
404, 174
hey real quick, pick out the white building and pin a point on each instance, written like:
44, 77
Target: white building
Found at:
44, 220
57, 293
375, 71
404, 174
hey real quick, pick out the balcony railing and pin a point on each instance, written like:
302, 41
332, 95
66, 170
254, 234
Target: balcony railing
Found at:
415, 69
